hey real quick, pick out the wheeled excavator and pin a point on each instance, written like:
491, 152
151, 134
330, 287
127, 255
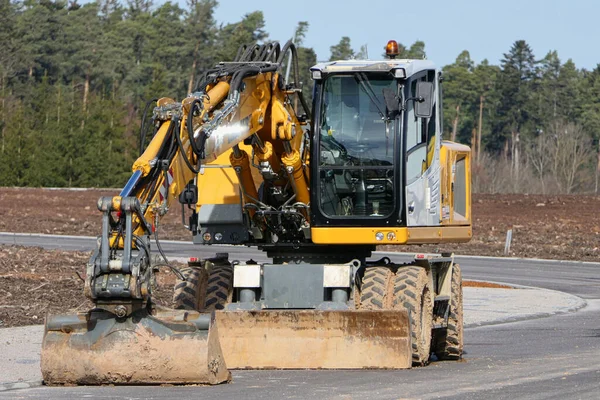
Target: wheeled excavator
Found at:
316, 187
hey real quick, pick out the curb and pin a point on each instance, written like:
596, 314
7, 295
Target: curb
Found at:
19, 385
581, 303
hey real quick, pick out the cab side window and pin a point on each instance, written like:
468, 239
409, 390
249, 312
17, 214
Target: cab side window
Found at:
420, 134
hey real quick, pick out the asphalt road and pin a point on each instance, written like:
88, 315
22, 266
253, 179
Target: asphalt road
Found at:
549, 358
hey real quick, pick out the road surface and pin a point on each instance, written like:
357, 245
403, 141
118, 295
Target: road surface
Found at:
556, 357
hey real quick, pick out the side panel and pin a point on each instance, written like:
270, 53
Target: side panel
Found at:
456, 184
423, 198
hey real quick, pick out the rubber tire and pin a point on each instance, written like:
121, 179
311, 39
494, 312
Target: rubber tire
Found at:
220, 287
412, 292
448, 342
190, 293
374, 291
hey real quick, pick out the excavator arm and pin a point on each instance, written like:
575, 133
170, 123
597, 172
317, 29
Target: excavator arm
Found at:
236, 102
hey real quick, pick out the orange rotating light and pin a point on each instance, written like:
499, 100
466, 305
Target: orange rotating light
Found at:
391, 50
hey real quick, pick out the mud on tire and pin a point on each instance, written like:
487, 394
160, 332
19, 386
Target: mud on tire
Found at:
448, 342
412, 291
374, 291
220, 287
190, 293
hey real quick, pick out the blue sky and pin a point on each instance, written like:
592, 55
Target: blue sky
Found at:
486, 28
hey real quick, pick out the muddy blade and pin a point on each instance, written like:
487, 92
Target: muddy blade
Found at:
147, 351
314, 339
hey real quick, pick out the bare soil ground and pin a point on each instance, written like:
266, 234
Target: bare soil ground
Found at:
33, 283
557, 227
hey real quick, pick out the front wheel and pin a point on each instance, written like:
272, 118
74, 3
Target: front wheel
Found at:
413, 292
220, 287
190, 293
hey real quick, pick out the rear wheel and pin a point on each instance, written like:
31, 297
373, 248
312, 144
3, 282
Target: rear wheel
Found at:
412, 292
448, 342
190, 293
220, 287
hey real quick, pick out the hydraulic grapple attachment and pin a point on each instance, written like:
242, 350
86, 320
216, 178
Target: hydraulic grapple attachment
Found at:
171, 347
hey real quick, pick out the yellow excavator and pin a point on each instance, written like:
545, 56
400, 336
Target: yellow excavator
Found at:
315, 187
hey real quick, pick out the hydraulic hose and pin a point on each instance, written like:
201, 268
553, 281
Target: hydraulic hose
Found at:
143, 125
191, 138
274, 52
250, 52
190, 129
238, 77
240, 52
290, 46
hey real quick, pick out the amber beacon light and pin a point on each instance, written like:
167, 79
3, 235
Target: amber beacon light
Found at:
391, 50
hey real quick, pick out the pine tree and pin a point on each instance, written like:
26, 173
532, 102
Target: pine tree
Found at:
460, 98
514, 86
200, 34
248, 31
516, 112
416, 51
590, 108
342, 50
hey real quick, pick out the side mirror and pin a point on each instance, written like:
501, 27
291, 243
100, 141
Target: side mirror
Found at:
392, 104
424, 100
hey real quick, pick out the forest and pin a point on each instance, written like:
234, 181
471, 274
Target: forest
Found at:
74, 79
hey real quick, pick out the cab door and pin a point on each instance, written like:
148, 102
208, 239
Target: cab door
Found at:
422, 144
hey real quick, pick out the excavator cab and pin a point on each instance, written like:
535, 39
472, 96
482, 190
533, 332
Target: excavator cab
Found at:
378, 156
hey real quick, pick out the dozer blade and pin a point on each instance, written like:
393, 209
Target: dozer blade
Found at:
277, 339
171, 347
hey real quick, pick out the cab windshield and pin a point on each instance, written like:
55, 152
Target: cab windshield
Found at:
354, 116
357, 142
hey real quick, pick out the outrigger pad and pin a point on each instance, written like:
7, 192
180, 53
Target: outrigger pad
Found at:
312, 339
173, 347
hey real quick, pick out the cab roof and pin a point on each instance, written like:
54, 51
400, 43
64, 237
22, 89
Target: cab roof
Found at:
411, 67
